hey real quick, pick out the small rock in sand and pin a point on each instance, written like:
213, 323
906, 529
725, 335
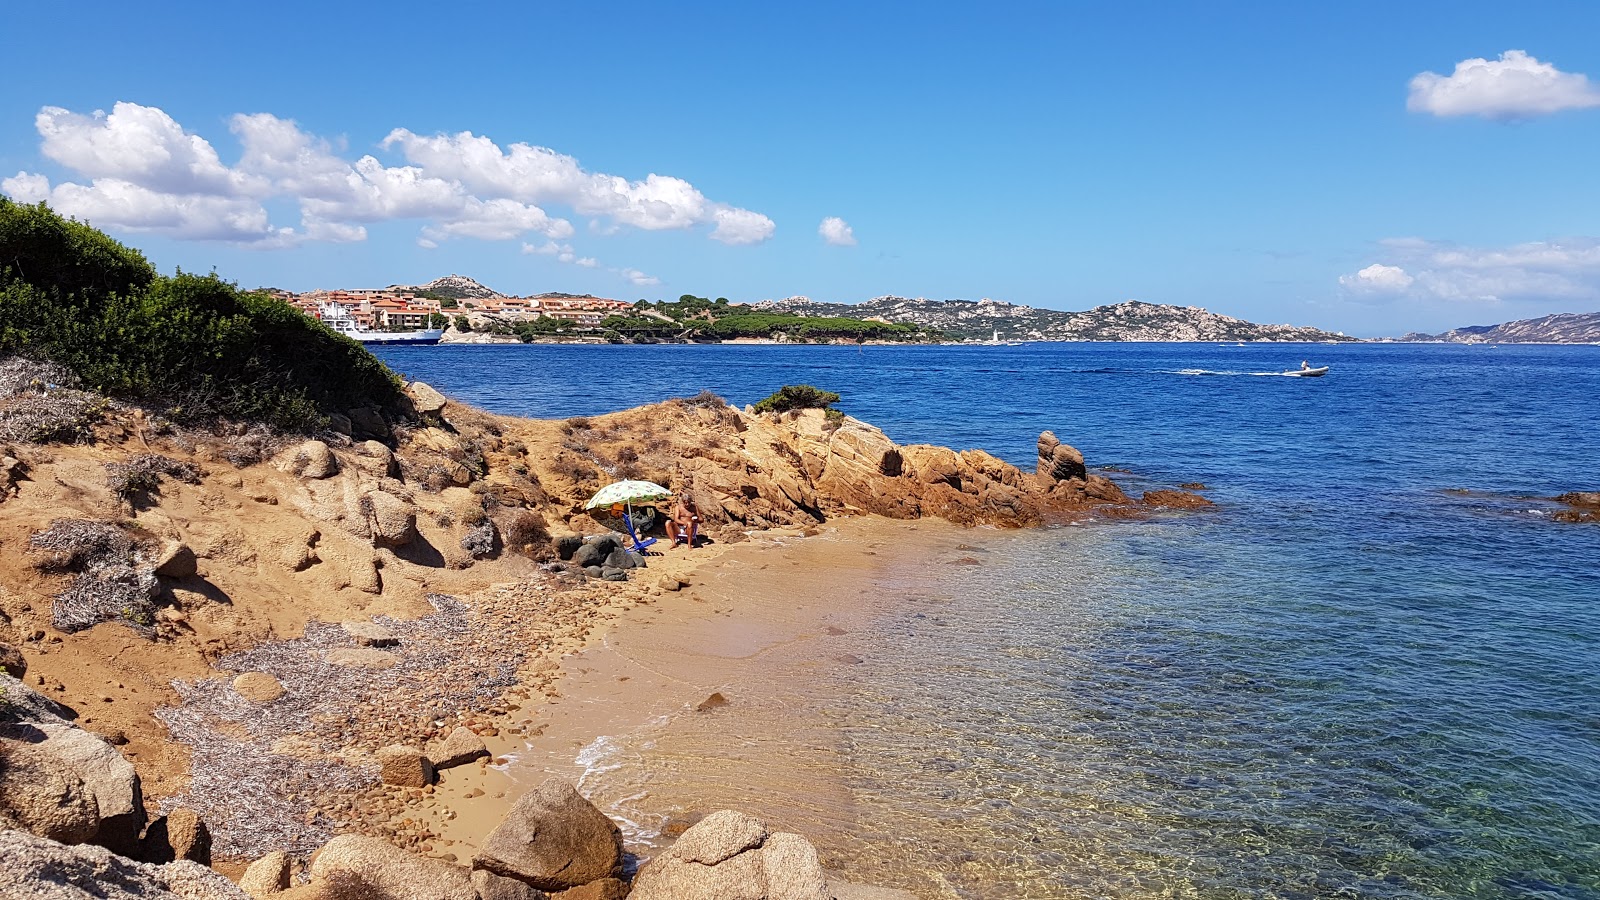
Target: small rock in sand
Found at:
176, 560
370, 634
257, 687
715, 701
460, 748
361, 658
404, 766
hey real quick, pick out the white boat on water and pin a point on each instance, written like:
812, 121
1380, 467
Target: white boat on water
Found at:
1308, 373
339, 319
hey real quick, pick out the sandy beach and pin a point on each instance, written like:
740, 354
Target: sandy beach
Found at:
727, 672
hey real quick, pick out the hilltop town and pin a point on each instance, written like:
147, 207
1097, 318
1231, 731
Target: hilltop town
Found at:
438, 303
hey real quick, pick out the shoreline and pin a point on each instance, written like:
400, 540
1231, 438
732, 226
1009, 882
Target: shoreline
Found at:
695, 660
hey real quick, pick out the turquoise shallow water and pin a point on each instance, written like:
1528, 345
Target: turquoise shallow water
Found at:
1351, 680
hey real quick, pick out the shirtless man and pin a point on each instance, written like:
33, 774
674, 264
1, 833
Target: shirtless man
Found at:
685, 521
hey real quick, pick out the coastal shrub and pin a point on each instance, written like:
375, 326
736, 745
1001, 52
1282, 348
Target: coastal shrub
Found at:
105, 594
143, 473
797, 396
705, 400
194, 347
78, 544
525, 532
576, 423
479, 539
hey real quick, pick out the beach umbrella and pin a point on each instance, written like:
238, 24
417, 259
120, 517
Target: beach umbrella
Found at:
628, 492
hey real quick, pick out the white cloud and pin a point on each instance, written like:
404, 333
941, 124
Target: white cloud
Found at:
144, 172
1378, 278
140, 145
1516, 86
638, 277
540, 175
136, 208
1567, 269
837, 232
564, 253
25, 188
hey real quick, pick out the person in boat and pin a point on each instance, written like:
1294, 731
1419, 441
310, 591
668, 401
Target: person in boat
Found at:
1305, 365
685, 522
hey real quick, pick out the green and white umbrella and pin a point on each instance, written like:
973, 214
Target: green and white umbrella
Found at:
629, 492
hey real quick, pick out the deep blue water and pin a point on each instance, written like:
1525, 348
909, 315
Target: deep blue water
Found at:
1353, 679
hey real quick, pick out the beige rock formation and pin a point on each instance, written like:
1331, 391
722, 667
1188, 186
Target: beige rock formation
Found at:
404, 766
36, 867
176, 560
498, 887
179, 834
730, 854
63, 782
310, 459
553, 839
267, 875
388, 873
257, 687
370, 634
459, 748
392, 521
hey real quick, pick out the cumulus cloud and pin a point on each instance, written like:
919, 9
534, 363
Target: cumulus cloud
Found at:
1378, 278
142, 171
140, 145
540, 175
1515, 86
837, 232
1567, 269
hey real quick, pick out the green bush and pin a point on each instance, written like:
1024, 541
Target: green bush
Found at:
797, 396
193, 345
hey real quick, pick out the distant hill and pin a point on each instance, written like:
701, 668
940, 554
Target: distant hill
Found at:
1563, 328
454, 287
1132, 320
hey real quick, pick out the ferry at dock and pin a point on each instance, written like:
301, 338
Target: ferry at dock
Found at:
339, 319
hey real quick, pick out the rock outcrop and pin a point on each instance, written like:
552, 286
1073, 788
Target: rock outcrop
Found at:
310, 459
392, 521
385, 872
267, 875
553, 839
730, 854
62, 782
37, 867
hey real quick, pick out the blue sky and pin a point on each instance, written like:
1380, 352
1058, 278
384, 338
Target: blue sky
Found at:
1272, 161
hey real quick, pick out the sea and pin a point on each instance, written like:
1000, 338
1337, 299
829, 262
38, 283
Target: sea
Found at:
1373, 670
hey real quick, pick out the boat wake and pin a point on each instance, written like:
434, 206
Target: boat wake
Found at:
1217, 372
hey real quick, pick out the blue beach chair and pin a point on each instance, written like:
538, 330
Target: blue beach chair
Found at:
638, 545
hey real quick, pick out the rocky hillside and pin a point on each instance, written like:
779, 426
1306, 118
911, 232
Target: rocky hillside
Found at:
1131, 320
1563, 328
455, 287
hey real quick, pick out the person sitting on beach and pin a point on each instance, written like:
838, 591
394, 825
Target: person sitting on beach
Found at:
685, 522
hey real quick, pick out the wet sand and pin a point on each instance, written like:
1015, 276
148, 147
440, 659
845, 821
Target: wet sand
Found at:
711, 697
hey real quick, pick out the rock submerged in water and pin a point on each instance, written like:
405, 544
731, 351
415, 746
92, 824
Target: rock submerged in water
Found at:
1585, 507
